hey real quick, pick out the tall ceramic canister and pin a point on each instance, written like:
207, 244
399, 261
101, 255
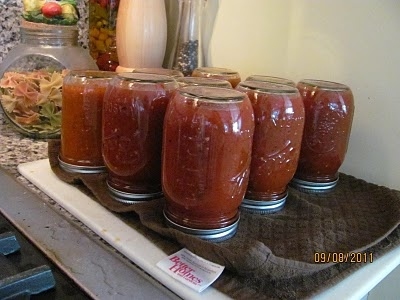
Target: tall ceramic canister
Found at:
141, 34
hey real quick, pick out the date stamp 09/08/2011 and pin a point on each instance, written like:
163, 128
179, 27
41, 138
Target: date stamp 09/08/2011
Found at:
343, 257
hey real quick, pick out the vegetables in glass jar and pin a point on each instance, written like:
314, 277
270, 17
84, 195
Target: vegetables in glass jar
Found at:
102, 33
62, 12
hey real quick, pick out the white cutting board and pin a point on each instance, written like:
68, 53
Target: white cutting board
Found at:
125, 239
117, 233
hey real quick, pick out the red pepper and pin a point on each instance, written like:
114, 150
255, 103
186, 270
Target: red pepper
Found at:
51, 9
103, 3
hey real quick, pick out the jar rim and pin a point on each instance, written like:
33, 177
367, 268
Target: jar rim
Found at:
212, 94
159, 71
268, 87
217, 71
203, 80
145, 77
273, 79
91, 74
325, 84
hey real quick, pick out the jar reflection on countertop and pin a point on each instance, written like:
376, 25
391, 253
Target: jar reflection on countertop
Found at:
329, 109
133, 116
207, 143
219, 73
279, 121
81, 124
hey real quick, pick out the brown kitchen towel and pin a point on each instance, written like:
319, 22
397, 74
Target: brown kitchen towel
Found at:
273, 256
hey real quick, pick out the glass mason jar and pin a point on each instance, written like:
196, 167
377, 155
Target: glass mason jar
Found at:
81, 124
271, 79
219, 73
329, 109
185, 81
279, 121
102, 33
32, 74
207, 143
133, 116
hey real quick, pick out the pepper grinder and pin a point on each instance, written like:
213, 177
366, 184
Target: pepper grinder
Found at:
187, 52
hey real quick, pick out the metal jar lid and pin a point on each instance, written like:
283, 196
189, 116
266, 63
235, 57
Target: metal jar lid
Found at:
131, 198
263, 207
213, 235
70, 168
313, 187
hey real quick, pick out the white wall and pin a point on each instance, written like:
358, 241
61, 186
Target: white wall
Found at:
356, 42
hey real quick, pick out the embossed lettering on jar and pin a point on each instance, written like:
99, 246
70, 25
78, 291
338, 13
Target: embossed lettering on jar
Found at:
279, 122
329, 109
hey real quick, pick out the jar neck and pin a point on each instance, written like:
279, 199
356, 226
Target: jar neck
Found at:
50, 37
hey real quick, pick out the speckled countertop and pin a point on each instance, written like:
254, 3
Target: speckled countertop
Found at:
15, 148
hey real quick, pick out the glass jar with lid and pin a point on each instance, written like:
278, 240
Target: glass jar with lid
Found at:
279, 122
134, 106
102, 33
32, 75
207, 144
329, 110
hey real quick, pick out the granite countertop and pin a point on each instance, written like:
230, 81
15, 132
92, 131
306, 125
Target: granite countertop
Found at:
16, 149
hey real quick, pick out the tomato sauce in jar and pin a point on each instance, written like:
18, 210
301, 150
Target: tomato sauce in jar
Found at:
82, 102
279, 122
329, 109
207, 144
133, 116
219, 73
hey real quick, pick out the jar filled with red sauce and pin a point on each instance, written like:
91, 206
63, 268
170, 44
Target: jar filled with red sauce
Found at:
279, 121
202, 81
219, 73
81, 123
271, 79
329, 109
133, 116
207, 144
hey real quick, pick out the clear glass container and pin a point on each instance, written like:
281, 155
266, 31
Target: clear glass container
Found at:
187, 52
279, 122
81, 124
207, 143
329, 110
32, 74
102, 33
133, 116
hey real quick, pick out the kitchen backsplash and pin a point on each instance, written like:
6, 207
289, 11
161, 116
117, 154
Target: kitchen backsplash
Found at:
10, 16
